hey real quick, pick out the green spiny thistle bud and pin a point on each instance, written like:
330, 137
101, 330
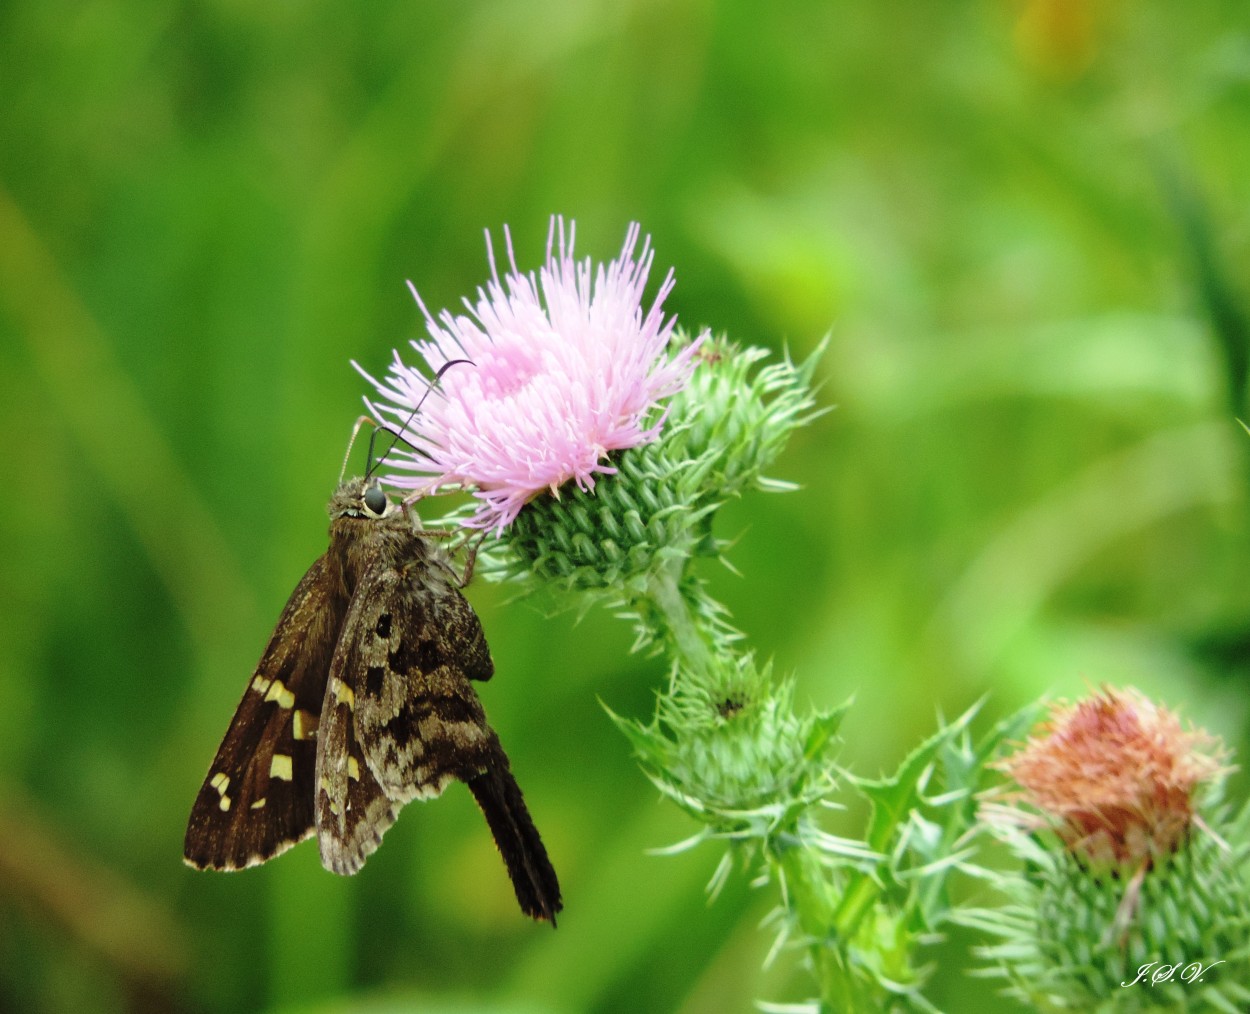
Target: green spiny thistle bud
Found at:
738, 758
1100, 936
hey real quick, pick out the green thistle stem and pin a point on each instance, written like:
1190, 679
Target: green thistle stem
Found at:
827, 921
692, 647
807, 893
857, 903
697, 652
810, 902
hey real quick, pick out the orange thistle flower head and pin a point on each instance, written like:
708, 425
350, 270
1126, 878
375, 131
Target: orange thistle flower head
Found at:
1116, 775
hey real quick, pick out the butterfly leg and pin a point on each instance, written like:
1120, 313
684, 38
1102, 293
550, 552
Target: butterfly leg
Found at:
471, 548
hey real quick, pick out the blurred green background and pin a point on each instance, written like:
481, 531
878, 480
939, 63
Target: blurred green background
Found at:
1025, 224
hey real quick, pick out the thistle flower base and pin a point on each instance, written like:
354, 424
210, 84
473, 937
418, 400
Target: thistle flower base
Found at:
1095, 935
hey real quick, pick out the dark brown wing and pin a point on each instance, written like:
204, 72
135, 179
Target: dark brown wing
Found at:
257, 800
419, 723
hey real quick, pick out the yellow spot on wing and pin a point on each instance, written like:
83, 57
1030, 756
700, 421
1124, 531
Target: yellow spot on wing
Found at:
280, 767
278, 692
220, 782
259, 804
334, 807
343, 694
353, 768
304, 724
225, 801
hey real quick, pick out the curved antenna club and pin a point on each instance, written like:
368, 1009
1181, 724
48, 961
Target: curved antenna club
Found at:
399, 434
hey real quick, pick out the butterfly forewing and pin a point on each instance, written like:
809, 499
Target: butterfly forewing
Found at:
257, 798
352, 810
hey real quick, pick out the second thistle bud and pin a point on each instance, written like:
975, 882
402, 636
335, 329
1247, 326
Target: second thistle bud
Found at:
1123, 873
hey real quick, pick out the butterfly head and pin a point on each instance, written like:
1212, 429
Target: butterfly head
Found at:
361, 498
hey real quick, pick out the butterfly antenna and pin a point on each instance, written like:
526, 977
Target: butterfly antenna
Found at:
364, 420
399, 434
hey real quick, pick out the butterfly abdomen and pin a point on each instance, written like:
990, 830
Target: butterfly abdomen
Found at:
533, 878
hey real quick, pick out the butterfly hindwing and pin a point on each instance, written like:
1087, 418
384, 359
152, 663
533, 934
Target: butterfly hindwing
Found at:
417, 715
400, 718
420, 723
257, 799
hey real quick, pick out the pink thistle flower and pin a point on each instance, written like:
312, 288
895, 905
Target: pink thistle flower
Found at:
1116, 776
566, 368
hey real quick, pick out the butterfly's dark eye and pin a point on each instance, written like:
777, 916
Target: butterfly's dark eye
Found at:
375, 500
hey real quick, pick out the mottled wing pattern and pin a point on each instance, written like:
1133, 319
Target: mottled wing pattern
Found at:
417, 714
419, 722
357, 797
257, 800
352, 811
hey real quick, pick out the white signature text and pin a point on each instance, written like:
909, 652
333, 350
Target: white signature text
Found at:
1155, 972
